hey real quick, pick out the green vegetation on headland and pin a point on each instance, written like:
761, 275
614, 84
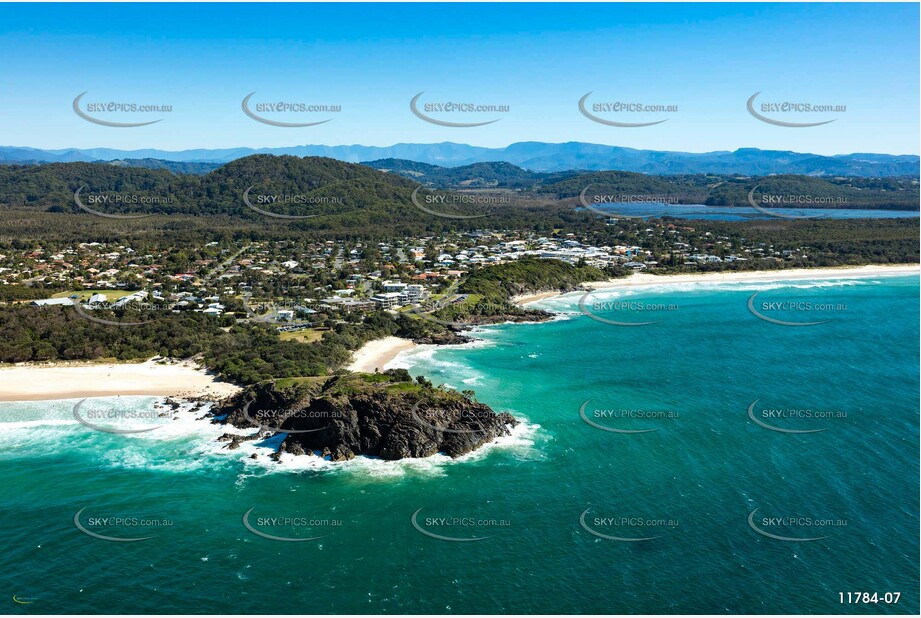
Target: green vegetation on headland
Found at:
244, 353
251, 353
499, 283
485, 295
387, 415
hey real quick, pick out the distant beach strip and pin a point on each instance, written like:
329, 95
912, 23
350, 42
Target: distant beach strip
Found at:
797, 274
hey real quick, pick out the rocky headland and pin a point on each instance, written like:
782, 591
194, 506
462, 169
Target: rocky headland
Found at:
384, 415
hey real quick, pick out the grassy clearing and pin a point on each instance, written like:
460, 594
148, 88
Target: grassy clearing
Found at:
111, 295
308, 335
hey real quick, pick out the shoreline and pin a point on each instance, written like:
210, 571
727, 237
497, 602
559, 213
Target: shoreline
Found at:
78, 379
639, 279
46, 382
376, 354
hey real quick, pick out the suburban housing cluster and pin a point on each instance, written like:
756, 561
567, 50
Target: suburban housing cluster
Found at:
298, 279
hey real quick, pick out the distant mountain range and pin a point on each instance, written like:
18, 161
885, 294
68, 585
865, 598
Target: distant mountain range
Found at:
533, 156
361, 195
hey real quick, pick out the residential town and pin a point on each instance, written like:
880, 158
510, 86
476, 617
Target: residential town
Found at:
288, 281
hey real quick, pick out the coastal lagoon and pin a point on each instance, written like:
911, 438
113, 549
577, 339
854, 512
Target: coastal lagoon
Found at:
678, 453
732, 213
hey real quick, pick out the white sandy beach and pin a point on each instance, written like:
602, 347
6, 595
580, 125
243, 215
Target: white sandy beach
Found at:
376, 354
523, 299
35, 382
639, 279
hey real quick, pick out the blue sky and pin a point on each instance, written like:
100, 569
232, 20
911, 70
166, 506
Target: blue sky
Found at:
539, 59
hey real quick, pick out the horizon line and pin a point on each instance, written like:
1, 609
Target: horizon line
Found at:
495, 148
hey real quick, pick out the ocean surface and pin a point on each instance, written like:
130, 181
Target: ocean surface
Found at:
709, 461
729, 213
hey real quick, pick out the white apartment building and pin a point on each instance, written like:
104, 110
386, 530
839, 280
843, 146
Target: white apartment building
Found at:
387, 300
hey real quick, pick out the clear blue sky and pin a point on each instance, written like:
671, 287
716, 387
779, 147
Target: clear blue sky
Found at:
537, 58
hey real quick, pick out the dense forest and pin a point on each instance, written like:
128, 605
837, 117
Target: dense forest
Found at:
337, 194
331, 197
244, 353
177, 167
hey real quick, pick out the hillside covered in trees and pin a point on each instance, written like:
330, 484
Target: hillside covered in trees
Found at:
898, 193
313, 193
333, 193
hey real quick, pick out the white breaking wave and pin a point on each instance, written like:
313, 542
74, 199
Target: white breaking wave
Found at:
520, 443
186, 443
426, 357
567, 305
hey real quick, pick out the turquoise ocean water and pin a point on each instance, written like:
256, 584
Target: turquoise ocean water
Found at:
551, 516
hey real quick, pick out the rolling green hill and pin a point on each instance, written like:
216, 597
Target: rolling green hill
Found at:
493, 174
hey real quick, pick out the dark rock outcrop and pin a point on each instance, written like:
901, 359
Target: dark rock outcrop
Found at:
348, 416
446, 337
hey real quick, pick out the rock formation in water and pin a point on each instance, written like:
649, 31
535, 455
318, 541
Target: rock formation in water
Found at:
381, 415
